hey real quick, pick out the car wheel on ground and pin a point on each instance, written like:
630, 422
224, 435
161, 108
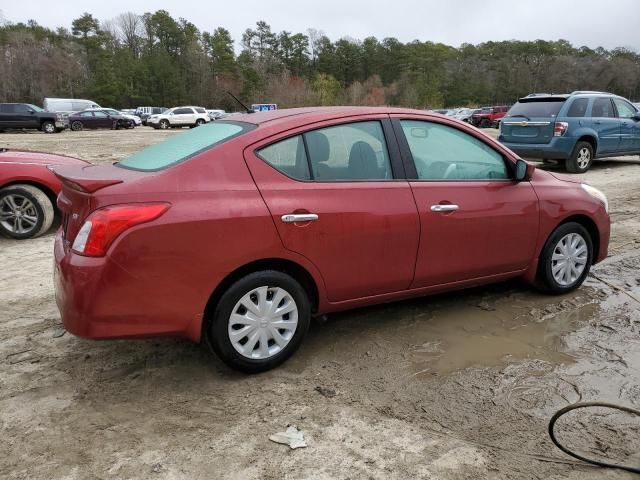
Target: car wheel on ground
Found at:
48, 127
76, 126
199, 122
259, 321
566, 259
581, 158
25, 211
485, 123
164, 124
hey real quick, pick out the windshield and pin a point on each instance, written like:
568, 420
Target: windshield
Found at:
184, 145
36, 108
542, 108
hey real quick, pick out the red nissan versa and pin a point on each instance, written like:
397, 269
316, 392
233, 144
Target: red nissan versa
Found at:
238, 232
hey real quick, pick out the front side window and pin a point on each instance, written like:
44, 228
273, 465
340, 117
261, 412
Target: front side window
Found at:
183, 146
445, 153
349, 152
602, 108
288, 156
182, 111
625, 109
99, 114
201, 110
86, 114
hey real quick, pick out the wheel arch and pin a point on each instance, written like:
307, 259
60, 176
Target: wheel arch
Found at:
295, 270
591, 139
51, 195
590, 226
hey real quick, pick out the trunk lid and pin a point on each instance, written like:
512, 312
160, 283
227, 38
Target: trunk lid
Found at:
80, 184
532, 119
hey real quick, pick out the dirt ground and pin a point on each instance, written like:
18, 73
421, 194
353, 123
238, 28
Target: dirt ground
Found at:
455, 386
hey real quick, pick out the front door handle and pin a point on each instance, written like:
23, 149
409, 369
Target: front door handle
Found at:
444, 208
299, 217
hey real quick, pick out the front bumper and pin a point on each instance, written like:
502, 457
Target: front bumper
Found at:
559, 148
62, 124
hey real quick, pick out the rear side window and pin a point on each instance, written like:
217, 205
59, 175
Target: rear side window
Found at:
288, 157
349, 152
541, 108
578, 108
182, 111
185, 145
6, 108
445, 153
602, 108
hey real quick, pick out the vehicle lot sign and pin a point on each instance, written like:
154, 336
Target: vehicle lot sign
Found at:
264, 107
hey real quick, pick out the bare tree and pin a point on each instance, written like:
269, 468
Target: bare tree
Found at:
130, 31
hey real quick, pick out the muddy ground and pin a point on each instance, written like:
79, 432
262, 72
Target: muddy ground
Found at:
455, 386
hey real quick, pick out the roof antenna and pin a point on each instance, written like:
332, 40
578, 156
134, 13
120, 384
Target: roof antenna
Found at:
247, 109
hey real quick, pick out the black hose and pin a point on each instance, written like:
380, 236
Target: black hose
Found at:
576, 406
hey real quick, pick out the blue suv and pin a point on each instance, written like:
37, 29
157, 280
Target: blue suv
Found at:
575, 128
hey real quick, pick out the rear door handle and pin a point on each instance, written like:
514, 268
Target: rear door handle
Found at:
444, 208
299, 217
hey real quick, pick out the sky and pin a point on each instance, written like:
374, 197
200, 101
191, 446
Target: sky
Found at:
607, 23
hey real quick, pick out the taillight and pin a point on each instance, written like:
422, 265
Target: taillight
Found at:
103, 226
560, 128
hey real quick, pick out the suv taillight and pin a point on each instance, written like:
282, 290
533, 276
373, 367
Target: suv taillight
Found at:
103, 226
560, 128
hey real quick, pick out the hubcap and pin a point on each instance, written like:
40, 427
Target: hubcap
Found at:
584, 157
569, 259
18, 214
263, 322
49, 128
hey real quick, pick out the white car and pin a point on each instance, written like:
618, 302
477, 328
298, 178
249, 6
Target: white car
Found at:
179, 117
136, 120
215, 114
463, 114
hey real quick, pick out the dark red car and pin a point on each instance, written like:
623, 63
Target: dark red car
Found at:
97, 118
489, 116
28, 190
238, 232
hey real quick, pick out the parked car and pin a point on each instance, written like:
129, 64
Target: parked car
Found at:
28, 116
67, 106
28, 190
489, 117
463, 114
179, 117
575, 128
238, 232
134, 118
215, 114
91, 119
145, 112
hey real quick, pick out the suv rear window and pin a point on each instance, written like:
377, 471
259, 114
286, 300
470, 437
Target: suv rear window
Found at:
184, 146
537, 108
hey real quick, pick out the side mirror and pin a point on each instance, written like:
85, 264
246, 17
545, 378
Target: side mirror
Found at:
523, 170
636, 116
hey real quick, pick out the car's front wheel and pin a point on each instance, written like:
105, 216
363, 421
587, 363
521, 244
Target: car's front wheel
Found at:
48, 127
485, 123
76, 126
566, 259
199, 122
581, 158
164, 124
260, 321
25, 211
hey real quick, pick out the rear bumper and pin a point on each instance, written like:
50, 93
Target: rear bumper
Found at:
559, 148
99, 299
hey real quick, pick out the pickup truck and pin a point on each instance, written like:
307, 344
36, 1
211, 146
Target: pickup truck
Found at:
25, 115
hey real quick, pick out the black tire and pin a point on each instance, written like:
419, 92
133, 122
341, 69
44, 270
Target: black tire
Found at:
76, 125
164, 124
217, 329
545, 280
42, 211
576, 162
200, 122
48, 127
485, 123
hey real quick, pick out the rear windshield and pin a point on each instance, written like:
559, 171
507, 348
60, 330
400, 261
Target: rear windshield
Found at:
538, 108
184, 145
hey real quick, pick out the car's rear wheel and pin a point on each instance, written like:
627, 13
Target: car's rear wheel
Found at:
164, 124
566, 259
76, 125
581, 158
48, 127
25, 211
260, 321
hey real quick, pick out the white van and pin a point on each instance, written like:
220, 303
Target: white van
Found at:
67, 106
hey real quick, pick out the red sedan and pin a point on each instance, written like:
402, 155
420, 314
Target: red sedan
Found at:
28, 190
238, 232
